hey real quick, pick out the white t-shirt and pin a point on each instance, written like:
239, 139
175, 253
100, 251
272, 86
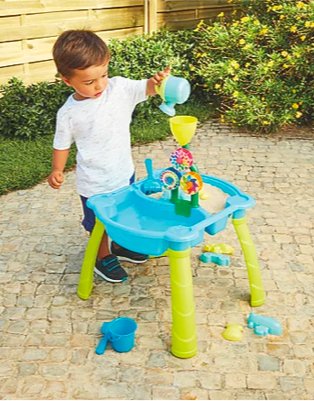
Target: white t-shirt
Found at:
100, 129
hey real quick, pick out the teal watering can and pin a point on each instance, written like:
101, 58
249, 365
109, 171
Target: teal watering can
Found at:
173, 90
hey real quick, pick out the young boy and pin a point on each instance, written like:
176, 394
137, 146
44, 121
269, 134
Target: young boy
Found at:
97, 118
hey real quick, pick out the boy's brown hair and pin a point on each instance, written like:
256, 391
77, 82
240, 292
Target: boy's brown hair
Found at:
78, 49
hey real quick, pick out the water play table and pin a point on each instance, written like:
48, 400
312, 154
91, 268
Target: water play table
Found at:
152, 226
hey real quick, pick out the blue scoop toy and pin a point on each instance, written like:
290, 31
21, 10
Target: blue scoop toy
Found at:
121, 334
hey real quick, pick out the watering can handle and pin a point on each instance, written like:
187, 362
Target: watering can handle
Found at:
160, 89
100, 349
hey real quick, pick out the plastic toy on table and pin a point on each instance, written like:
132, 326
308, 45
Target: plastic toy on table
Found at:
173, 226
151, 185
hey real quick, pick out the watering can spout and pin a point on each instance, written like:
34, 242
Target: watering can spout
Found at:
168, 108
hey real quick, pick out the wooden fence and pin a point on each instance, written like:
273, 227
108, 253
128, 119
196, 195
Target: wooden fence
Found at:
28, 28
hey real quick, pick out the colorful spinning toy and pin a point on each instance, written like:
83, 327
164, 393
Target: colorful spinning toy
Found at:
191, 183
170, 178
181, 159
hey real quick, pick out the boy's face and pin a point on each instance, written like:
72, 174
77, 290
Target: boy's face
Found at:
89, 83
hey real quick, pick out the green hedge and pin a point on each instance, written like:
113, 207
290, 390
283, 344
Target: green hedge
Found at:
258, 65
28, 112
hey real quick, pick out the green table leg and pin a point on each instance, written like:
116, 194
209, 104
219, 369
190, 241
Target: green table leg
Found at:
87, 271
184, 341
251, 261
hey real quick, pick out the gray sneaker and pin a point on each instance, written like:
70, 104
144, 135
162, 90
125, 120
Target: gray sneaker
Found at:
125, 255
109, 269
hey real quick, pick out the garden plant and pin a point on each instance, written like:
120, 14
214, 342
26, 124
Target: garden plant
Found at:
258, 65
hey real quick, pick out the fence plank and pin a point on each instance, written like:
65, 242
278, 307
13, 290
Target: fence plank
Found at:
152, 15
11, 71
42, 71
173, 5
14, 7
9, 52
52, 24
187, 19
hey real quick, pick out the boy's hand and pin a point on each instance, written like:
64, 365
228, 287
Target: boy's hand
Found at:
56, 178
156, 80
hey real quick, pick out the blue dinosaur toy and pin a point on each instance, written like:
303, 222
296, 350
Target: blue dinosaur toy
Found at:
219, 259
263, 325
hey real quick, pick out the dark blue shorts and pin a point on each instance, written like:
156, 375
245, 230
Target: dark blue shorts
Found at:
88, 221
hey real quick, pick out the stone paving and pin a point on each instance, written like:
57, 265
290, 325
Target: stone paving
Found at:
48, 335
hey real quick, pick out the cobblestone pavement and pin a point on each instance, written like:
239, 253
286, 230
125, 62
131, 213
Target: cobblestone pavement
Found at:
48, 335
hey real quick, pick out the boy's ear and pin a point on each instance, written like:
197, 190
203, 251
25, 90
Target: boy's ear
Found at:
65, 80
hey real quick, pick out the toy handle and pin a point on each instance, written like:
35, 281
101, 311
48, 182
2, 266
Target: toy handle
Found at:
100, 349
160, 89
157, 90
149, 168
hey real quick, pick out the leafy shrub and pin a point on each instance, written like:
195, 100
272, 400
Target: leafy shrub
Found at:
140, 57
259, 66
28, 112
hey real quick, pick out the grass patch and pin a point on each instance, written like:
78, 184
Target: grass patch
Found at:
25, 163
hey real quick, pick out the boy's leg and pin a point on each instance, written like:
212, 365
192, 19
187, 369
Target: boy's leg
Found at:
103, 247
107, 265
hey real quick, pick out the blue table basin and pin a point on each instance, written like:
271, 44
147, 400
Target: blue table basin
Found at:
151, 226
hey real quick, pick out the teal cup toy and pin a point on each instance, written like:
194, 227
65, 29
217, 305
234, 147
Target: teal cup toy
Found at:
121, 334
173, 90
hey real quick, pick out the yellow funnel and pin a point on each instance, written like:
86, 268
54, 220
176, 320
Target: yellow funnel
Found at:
183, 128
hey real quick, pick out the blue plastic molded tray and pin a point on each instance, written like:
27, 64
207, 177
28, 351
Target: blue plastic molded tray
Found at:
151, 226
